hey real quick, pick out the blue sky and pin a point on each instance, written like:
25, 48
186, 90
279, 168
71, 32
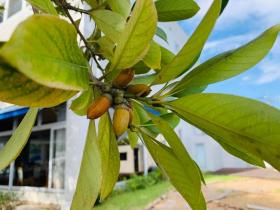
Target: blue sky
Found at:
242, 21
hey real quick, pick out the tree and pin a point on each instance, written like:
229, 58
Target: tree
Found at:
42, 65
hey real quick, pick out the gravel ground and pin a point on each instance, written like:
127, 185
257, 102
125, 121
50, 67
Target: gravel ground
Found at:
256, 190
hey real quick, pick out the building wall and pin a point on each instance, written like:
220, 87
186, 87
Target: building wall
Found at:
206, 151
76, 136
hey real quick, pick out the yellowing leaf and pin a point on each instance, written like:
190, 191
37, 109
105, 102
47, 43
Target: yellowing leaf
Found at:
16, 143
153, 56
110, 23
44, 5
120, 6
110, 157
16, 88
192, 49
45, 49
89, 181
106, 47
81, 104
135, 38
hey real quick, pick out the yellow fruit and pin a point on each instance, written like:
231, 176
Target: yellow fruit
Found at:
121, 119
124, 78
130, 116
139, 89
99, 106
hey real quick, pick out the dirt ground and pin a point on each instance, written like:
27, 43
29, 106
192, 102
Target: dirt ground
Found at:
254, 190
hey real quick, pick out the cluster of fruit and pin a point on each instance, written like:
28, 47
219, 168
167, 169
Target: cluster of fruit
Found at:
117, 96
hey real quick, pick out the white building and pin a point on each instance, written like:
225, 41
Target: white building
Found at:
47, 169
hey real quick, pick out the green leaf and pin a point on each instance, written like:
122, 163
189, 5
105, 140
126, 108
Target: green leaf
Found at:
161, 34
45, 49
80, 105
231, 63
153, 56
132, 138
44, 5
145, 79
247, 157
178, 148
135, 38
141, 68
89, 180
106, 47
188, 91
120, 6
224, 5
92, 3
192, 49
176, 9
18, 140
110, 23
244, 124
183, 175
15, 88
110, 157
170, 118
166, 56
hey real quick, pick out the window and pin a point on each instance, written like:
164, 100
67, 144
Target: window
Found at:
14, 7
54, 114
123, 156
31, 167
58, 159
6, 124
42, 161
4, 174
200, 156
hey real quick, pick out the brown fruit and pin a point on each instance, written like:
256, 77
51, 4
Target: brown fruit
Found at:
139, 89
121, 119
99, 106
123, 78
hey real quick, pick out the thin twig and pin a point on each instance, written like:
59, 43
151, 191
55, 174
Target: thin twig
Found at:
80, 34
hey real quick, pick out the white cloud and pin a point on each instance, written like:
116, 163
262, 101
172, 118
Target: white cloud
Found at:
230, 42
270, 72
265, 13
248, 19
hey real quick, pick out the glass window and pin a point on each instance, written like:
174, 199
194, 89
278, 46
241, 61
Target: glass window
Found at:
123, 156
54, 114
58, 159
6, 124
31, 167
14, 7
4, 174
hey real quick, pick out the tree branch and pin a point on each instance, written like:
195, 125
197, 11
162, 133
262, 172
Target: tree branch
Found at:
62, 4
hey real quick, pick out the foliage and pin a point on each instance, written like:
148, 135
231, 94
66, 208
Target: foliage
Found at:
6, 200
137, 182
56, 67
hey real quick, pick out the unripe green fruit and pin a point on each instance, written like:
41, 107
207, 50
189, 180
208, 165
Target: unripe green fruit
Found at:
106, 88
118, 100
